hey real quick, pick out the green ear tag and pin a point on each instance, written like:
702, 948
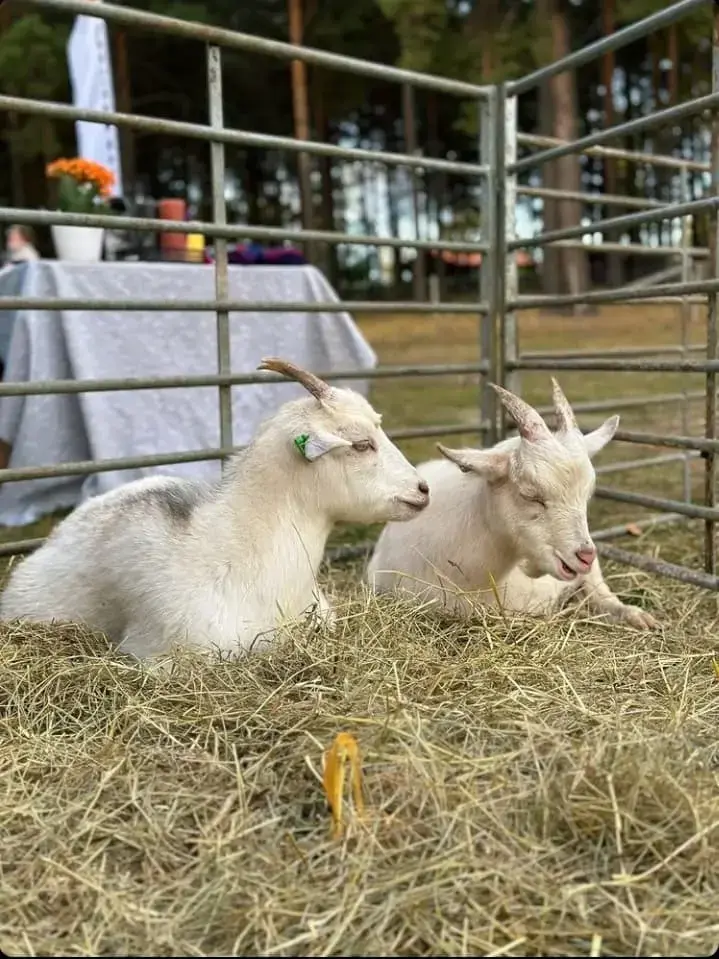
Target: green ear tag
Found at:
301, 442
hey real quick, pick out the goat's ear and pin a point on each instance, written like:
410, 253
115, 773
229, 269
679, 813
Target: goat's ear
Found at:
598, 439
492, 465
316, 443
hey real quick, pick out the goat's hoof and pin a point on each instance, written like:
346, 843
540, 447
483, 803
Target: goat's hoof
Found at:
638, 618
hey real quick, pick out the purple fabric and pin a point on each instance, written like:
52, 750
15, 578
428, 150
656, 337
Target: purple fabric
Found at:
256, 255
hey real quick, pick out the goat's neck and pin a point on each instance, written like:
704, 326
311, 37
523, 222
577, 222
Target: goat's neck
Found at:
498, 552
271, 520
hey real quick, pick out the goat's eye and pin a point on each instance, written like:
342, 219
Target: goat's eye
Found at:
362, 446
535, 498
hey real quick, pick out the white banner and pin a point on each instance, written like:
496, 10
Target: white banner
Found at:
90, 66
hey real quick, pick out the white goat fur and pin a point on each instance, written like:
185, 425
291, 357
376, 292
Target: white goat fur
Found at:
510, 513
165, 561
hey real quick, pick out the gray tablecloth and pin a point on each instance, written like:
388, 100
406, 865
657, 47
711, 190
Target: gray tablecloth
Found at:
45, 345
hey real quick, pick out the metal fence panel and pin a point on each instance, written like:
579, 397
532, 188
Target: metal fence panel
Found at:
498, 301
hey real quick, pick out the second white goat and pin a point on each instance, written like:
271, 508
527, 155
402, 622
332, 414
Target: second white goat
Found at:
164, 560
514, 517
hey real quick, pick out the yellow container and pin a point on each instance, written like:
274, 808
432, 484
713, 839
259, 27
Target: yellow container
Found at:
195, 246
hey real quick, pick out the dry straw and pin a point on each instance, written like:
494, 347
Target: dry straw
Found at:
533, 788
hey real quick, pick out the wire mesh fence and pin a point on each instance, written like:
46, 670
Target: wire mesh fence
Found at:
497, 168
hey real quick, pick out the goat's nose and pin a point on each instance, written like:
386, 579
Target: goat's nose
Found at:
586, 555
423, 487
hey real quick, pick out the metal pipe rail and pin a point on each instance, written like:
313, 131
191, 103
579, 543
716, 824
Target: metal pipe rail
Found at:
87, 467
235, 306
626, 249
600, 199
670, 211
623, 294
233, 40
242, 138
228, 232
660, 118
615, 41
691, 510
617, 153
619, 365
649, 564
54, 387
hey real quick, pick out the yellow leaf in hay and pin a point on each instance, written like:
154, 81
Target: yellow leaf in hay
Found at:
715, 664
343, 749
633, 529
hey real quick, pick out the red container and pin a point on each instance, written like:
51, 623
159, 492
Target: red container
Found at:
172, 245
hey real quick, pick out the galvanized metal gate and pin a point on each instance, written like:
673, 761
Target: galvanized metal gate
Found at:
499, 301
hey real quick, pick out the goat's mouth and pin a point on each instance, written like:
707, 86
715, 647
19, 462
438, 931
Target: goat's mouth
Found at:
565, 570
415, 504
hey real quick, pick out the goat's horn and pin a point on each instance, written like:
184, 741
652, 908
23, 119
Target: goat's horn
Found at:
313, 384
530, 424
562, 410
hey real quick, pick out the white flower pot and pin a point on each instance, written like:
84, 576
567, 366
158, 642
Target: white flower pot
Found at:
83, 244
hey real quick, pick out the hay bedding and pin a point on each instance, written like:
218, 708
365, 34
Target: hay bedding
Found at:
532, 789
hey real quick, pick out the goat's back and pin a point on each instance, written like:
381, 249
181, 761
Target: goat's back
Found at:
99, 561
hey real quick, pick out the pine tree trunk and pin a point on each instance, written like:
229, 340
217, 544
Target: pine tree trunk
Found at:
301, 120
551, 262
613, 260
575, 265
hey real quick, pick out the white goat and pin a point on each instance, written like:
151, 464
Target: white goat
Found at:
515, 513
165, 560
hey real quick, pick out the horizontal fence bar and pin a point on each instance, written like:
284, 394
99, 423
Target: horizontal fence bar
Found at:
618, 153
611, 532
614, 41
627, 402
698, 443
670, 211
629, 249
657, 119
683, 574
21, 546
600, 199
88, 467
217, 36
12, 303
618, 295
627, 466
656, 350
240, 138
619, 365
54, 387
657, 503
229, 232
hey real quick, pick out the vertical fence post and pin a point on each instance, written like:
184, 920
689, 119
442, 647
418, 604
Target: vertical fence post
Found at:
409, 122
686, 314
710, 474
488, 129
510, 347
219, 216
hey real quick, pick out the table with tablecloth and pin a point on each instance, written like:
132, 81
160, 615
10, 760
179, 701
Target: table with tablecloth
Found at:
77, 345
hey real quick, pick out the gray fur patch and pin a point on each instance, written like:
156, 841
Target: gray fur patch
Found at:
178, 502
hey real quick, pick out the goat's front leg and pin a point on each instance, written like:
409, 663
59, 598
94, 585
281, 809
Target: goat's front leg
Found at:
602, 600
325, 613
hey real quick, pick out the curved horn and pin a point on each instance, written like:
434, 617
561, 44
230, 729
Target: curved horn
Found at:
562, 410
313, 384
530, 424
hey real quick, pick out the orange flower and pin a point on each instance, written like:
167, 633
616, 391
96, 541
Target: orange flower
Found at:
83, 171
